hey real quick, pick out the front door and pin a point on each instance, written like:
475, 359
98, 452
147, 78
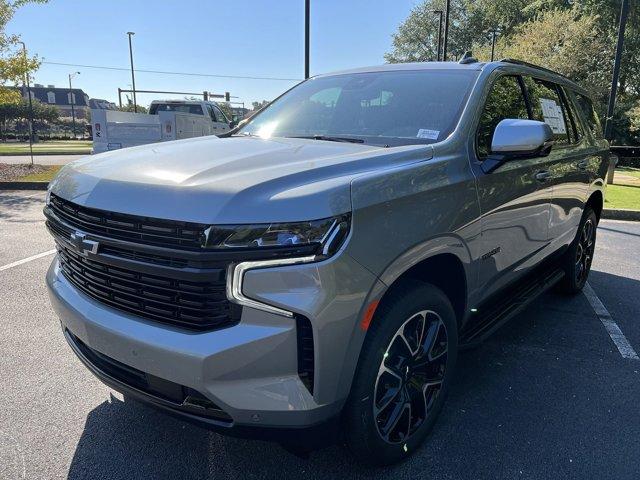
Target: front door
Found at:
514, 198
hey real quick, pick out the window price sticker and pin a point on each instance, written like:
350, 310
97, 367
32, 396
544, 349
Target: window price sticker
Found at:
552, 114
429, 134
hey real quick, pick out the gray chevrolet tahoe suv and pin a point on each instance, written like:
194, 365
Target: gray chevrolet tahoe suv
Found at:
319, 269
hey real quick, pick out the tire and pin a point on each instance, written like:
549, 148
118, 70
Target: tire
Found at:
418, 377
576, 261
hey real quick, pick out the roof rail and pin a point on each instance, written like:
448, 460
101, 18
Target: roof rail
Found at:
532, 65
467, 58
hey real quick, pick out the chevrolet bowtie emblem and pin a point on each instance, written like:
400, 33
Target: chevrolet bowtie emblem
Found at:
82, 245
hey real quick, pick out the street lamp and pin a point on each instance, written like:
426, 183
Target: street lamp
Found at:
27, 83
493, 33
608, 126
72, 100
439, 12
133, 77
307, 14
446, 30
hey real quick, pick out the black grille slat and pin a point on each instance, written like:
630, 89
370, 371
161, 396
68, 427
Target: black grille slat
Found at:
209, 309
153, 231
136, 280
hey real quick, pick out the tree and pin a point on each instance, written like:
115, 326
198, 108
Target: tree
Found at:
13, 65
129, 108
19, 111
574, 38
226, 109
259, 105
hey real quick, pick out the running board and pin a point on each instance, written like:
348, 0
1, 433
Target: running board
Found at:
512, 301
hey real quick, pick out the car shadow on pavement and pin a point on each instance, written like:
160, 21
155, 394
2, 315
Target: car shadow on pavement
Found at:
12, 206
517, 408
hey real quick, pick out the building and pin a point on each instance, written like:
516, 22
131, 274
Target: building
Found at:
61, 98
101, 104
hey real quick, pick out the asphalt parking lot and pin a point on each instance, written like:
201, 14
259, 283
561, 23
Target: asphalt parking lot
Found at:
549, 396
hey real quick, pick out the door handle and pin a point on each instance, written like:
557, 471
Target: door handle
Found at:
543, 175
582, 164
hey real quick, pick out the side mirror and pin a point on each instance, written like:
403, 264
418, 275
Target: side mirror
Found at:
517, 139
232, 124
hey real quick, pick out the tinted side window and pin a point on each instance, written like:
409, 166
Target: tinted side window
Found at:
505, 100
576, 122
211, 114
589, 114
547, 107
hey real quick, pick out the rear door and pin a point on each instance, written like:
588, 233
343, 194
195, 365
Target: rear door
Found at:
514, 203
567, 164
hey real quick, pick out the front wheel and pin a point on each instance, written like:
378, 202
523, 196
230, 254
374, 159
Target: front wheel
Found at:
577, 259
403, 375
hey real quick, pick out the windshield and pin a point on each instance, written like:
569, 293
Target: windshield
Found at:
380, 108
175, 107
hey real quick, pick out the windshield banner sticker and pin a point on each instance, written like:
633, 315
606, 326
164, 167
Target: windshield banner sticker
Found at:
552, 114
426, 133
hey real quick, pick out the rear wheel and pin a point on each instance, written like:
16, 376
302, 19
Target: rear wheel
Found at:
577, 259
403, 375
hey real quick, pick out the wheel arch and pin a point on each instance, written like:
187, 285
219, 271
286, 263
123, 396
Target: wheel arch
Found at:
596, 202
443, 270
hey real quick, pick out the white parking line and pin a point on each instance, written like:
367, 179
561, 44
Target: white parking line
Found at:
28, 259
612, 328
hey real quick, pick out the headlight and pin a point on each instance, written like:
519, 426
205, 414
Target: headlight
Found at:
322, 237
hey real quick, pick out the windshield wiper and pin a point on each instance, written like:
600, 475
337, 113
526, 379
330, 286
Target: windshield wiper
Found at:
331, 139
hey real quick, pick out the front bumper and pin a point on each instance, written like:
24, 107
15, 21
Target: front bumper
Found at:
250, 370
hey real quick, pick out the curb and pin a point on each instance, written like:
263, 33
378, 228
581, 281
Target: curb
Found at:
42, 154
633, 215
23, 185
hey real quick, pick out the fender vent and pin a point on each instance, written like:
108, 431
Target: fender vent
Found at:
305, 352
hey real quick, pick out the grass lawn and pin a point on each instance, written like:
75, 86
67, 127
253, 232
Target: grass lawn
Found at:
60, 147
45, 176
622, 197
633, 172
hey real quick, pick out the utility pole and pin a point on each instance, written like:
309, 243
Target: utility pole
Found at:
133, 77
446, 31
493, 32
307, 8
72, 101
624, 12
439, 12
28, 85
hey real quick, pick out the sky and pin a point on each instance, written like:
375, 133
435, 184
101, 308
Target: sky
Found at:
249, 38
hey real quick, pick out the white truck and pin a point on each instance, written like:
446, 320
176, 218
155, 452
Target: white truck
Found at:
166, 120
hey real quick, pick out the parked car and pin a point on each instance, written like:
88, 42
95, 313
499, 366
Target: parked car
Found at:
167, 120
319, 269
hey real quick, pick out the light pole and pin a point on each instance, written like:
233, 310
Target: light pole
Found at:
307, 14
133, 77
493, 32
439, 12
446, 31
72, 101
28, 85
624, 12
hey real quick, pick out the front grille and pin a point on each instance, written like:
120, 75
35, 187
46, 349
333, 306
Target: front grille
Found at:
146, 230
201, 305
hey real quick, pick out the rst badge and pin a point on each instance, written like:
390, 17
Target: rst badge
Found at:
82, 245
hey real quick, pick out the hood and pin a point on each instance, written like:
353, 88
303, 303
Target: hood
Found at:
228, 180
